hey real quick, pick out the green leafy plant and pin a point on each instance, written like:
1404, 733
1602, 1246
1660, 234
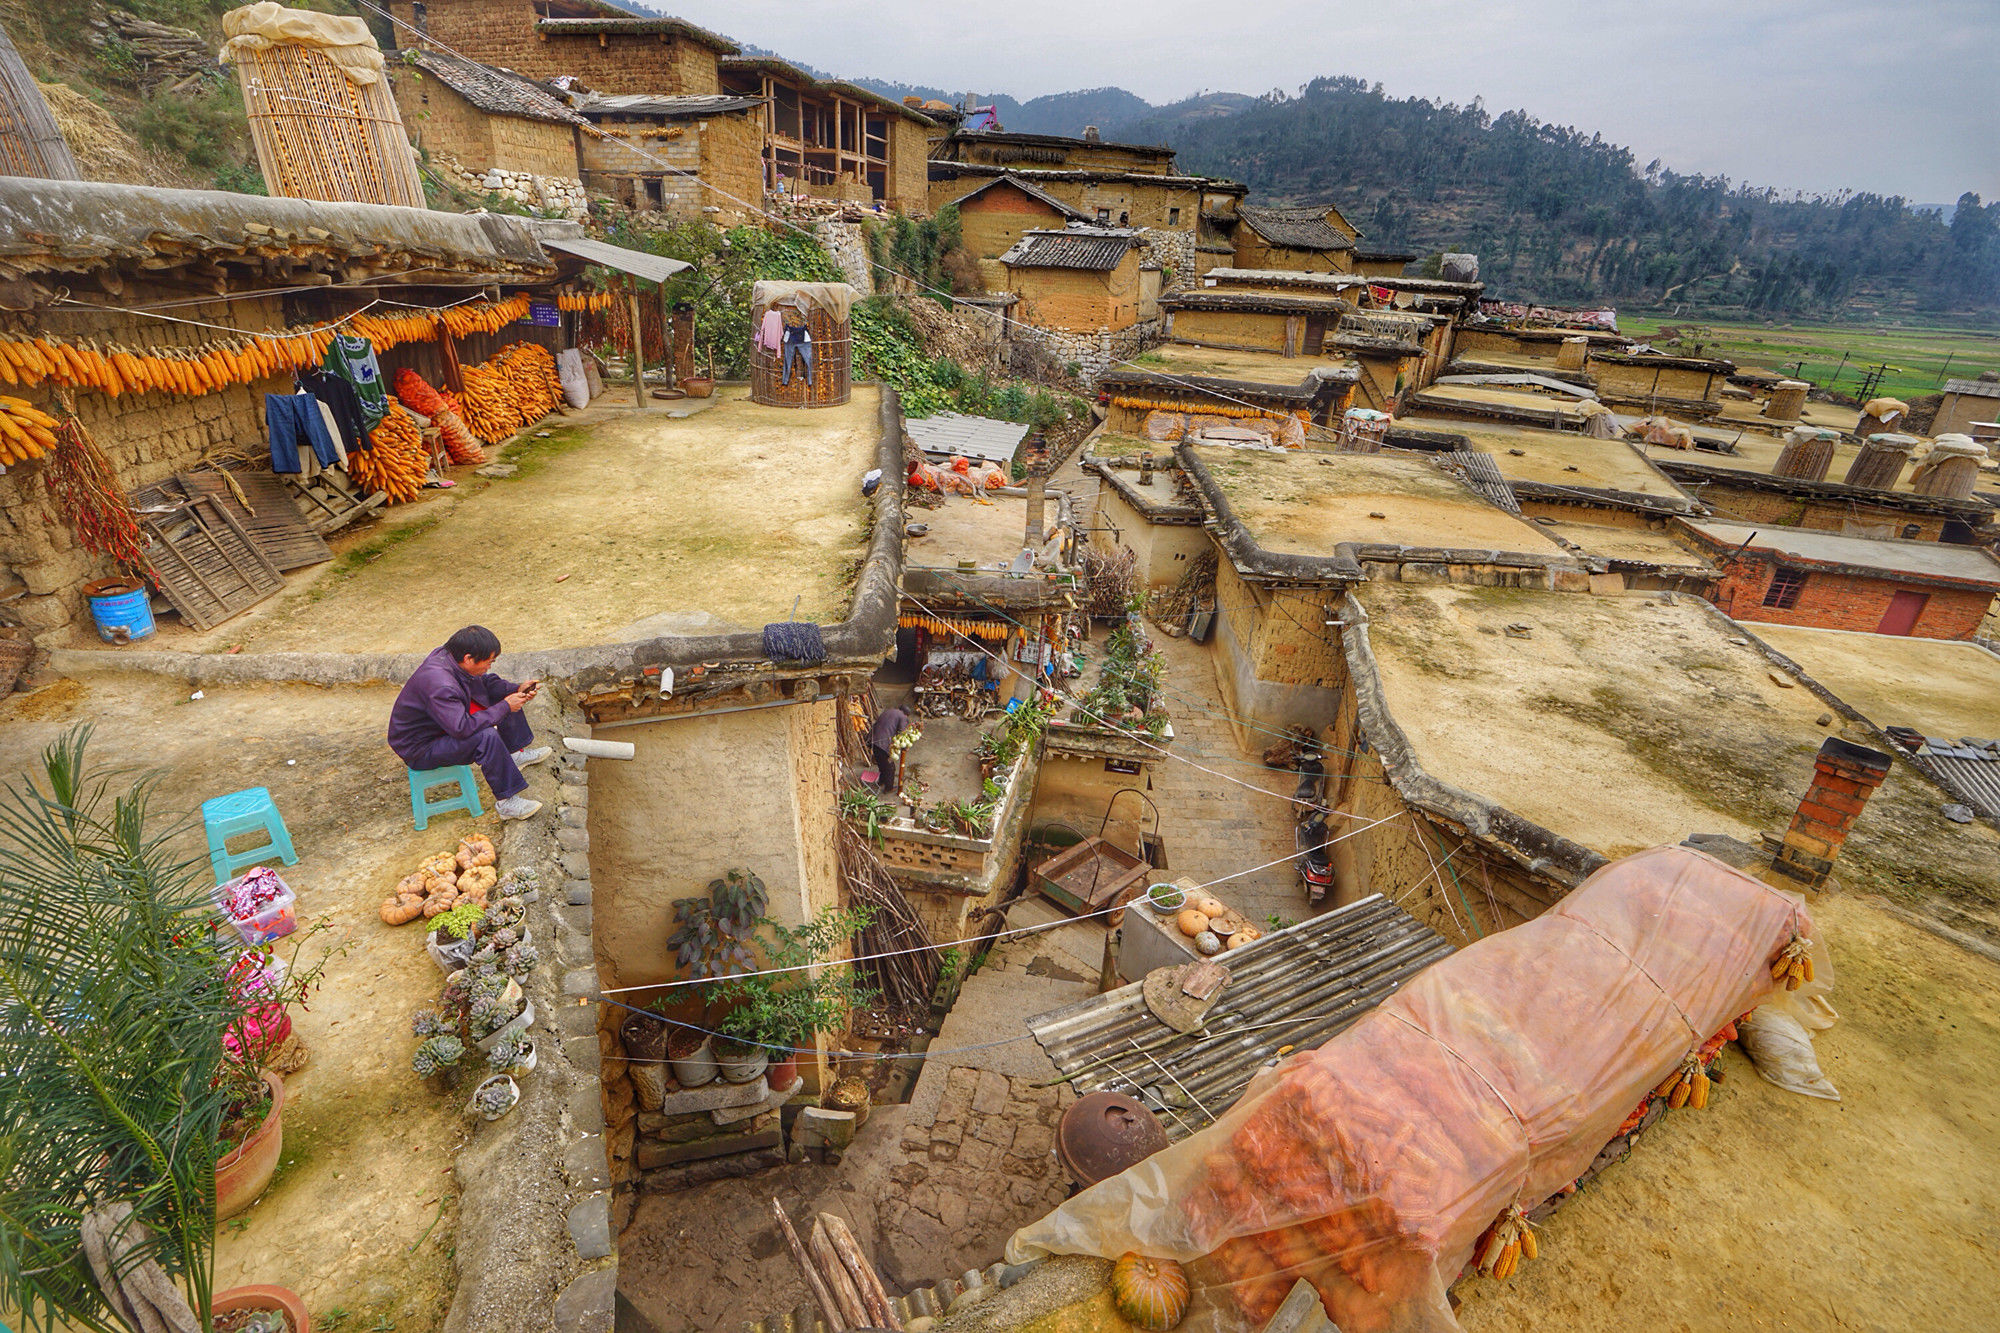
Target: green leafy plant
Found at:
711, 935
784, 1010
117, 1016
457, 923
867, 806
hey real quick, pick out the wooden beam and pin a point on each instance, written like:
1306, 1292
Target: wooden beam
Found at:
638, 350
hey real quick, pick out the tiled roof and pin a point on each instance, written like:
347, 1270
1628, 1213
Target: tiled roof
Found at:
1382, 254
671, 27
1096, 249
681, 107
1978, 388
498, 91
1295, 228
1295, 988
1038, 195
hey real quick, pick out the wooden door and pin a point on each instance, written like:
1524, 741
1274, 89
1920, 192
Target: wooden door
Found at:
1904, 608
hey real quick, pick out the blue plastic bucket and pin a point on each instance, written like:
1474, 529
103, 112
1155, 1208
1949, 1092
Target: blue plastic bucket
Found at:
121, 609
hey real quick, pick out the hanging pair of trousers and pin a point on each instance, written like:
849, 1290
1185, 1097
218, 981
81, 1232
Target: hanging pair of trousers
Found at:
293, 419
800, 350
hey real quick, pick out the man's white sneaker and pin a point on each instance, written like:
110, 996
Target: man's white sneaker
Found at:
516, 807
534, 754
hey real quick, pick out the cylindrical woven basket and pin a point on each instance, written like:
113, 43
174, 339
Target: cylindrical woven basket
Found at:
827, 386
319, 135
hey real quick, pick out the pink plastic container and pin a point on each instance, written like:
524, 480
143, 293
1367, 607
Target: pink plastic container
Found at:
275, 920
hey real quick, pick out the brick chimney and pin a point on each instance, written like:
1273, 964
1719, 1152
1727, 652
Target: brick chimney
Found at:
1843, 777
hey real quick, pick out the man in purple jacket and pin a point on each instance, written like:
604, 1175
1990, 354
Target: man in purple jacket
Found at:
454, 710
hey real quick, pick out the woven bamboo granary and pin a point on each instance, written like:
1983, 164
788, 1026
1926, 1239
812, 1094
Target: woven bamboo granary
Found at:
825, 311
322, 132
30, 143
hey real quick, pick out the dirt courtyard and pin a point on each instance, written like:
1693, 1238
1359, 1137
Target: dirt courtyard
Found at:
619, 525
367, 1161
1769, 1210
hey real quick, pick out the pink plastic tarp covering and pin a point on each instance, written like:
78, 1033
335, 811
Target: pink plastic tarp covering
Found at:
1371, 1166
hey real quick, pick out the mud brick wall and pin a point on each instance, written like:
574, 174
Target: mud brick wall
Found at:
1642, 383
908, 189
1855, 518
732, 165
1232, 328
146, 436
995, 220
440, 121
1831, 600
1252, 251
502, 32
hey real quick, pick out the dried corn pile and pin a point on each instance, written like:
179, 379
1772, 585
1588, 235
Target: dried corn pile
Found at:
1381, 1165
483, 316
397, 462
421, 398
25, 430
488, 403
531, 372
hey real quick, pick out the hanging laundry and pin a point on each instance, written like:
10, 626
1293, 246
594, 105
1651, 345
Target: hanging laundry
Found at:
770, 328
353, 359
798, 346
339, 396
293, 419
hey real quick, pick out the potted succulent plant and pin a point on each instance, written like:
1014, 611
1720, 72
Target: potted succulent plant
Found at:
453, 937
436, 1060
121, 1096
495, 1097
513, 1055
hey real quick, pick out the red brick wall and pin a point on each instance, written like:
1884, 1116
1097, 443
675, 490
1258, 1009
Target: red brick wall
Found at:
1843, 601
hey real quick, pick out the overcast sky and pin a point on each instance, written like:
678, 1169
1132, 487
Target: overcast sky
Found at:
1898, 98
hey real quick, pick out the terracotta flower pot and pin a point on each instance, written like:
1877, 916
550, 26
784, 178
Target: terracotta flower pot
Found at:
779, 1075
263, 1296
242, 1174
697, 386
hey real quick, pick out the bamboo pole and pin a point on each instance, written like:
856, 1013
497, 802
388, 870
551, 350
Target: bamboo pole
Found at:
844, 1290
638, 348
821, 1296
873, 1294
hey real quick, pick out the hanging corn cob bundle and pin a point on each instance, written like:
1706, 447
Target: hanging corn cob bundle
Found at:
415, 394
490, 409
1794, 964
25, 430
114, 369
387, 331
532, 372
575, 302
483, 316
1506, 1243
84, 486
397, 463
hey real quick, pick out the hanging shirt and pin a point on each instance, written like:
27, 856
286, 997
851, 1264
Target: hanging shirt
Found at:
338, 394
352, 357
769, 330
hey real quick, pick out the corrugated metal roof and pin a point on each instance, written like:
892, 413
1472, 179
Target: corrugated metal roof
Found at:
1295, 987
974, 437
1097, 249
653, 268
498, 91
1295, 228
674, 108
1968, 766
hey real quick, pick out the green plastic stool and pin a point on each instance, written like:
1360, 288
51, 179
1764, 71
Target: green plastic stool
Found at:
248, 811
423, 807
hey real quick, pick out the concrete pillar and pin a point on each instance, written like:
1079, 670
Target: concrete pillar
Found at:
1844, 776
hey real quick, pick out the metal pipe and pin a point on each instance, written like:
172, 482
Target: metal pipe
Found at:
706, 712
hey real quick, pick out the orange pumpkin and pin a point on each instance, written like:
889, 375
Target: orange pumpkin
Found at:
1152, 1293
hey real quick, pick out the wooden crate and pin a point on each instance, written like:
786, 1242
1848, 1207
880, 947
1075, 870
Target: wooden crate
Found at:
1091, 876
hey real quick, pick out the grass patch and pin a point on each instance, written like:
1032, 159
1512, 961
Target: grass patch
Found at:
536, 452
357, 558
1920, 359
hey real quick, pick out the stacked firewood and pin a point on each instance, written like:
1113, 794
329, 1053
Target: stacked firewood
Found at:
161, 54
845, 1286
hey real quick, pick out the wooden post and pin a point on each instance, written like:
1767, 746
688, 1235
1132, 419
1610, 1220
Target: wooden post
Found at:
638, 350
845, 1293
821, 1296
672, 367
874, 1297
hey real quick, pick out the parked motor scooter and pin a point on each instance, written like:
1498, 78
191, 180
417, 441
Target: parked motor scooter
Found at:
1315, 857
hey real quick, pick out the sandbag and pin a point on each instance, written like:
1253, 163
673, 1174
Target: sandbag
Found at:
569, 371
1779, 1046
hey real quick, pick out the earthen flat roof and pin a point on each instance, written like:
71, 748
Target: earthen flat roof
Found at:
1298, 503
963, 529
1225, 363
1622, 722
1937, 686
1622, 542
1563, 458
1931, 560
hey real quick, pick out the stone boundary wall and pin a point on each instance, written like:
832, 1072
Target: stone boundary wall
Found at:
535, 1249
847, 242
1093, 354
559, 195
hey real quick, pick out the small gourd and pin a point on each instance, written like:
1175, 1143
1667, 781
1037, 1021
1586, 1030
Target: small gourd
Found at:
1209, 906
1208, 944
1242, 937
1152, 1293
1191, 922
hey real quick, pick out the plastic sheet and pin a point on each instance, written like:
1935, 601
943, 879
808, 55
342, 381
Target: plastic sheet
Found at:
1165, 427
345, 41
1371, 1166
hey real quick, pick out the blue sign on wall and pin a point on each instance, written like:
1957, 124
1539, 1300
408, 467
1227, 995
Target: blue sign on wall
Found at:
544, 314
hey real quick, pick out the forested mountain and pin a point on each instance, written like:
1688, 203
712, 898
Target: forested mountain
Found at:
1562, 216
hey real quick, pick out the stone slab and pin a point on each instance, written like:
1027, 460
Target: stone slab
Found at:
818, 1127
730, 1115
714, 1096
652, 1156
584, 1164
590, 1227
588, 1305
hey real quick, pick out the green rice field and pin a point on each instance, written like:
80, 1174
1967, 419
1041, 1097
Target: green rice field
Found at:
1919, 359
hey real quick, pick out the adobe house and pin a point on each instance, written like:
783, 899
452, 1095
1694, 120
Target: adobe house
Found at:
1081, 279
834, 140
995, 215
1683, 386
604, 45
1739, 487
1486, 348
488, 125
1398, 353
1145, 507
1381, 261
1088, 151
1311, 239
701, 151
1794, 576
1968, 404
1287, 323
1223, 382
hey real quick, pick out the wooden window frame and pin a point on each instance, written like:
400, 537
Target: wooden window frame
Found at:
1782, 593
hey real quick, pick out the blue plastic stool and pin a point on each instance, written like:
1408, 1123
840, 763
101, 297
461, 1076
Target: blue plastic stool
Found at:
423, 807
246, 811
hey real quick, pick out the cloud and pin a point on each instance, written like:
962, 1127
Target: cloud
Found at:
1817, 95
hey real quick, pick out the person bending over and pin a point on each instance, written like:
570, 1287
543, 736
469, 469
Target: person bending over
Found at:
882, 747
453, 710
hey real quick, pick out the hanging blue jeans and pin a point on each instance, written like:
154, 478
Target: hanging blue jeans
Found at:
796, 350
292, 419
